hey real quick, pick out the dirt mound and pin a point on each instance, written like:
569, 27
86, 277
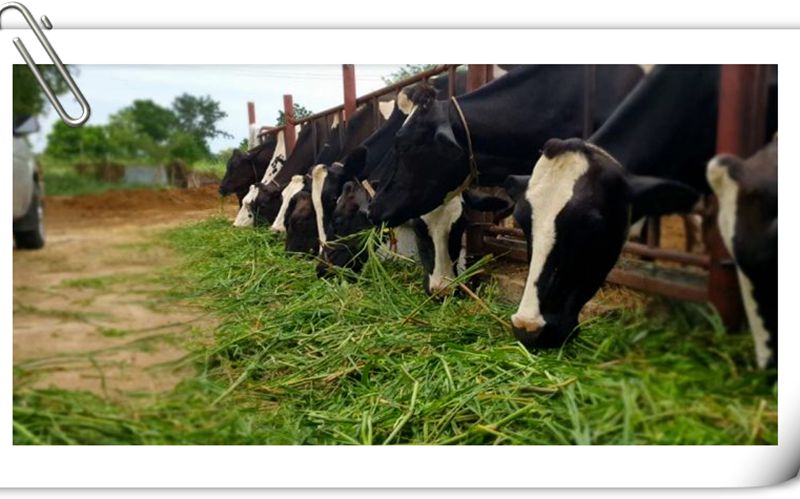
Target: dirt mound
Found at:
133, 205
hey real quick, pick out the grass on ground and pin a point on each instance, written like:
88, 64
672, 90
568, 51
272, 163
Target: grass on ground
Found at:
368, 359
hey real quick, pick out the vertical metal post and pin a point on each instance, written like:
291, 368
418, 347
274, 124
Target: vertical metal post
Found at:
740, 131
476, 78
288, 131
349, 83
252, 132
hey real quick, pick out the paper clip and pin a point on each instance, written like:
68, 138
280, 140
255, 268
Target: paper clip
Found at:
46, 24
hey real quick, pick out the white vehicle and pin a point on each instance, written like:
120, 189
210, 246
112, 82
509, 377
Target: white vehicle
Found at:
28, 189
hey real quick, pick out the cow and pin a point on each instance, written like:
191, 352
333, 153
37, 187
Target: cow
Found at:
317, 141
747, 194
508, 121
582, 202
344, 139
362, 161
310, 141
245, 217
246, 168
648, 159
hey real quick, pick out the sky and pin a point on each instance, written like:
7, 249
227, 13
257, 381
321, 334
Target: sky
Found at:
108, 88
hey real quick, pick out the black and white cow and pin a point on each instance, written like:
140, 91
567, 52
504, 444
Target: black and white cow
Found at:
310, 141
582, 202
316, 141
648, 159
362, 161
246, 168
246, 216
509, 120
747, 194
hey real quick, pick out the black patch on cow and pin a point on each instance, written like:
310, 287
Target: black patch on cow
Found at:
301, 226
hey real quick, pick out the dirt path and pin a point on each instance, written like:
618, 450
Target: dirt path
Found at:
89, 312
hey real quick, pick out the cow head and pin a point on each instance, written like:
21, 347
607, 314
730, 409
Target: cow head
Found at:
326, 184
295, 185
267, 203
246, 217
240, 174
349, 219
301, 228
430, 163
582, 202
747, 194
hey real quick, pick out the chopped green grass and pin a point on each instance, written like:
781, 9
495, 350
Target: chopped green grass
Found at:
369, 359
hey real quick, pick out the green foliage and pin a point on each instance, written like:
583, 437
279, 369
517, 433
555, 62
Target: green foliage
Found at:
369, 359
89, 142
154, 121
28, 98
299, 113
406, 71
187, 147
244, 146
144, 132
198, 116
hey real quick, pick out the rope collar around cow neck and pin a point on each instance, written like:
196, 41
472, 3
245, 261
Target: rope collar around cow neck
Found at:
473, 165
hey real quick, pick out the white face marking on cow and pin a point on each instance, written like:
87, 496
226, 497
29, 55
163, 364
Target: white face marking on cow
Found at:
646, 68
386, 108
295, 186
245, 216
406, 240
318, 175
727, 191
410, 114
276, 163
440, 221
404, 103
497, 71
549, 190
335, 121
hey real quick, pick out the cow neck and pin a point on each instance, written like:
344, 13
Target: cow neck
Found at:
473, 165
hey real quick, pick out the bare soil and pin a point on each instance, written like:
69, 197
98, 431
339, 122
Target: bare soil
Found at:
89, 308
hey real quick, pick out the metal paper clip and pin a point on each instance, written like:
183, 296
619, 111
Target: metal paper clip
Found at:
46, 24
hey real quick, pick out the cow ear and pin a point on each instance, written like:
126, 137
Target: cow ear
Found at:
479, 201
516, 186
446, 142
651, 196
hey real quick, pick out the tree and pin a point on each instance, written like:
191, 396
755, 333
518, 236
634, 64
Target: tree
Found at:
198, 116
155, 121
89, 142
186, 147
299, 113
406, 72
28, 97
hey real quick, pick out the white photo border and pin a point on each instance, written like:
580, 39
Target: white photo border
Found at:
417, 466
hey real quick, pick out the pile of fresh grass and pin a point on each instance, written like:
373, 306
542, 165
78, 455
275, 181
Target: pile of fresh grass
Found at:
369, 359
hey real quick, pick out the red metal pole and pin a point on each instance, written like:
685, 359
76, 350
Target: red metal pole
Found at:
740, 129
251, 113
349, 83
289, 135
476, 76
252, 134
